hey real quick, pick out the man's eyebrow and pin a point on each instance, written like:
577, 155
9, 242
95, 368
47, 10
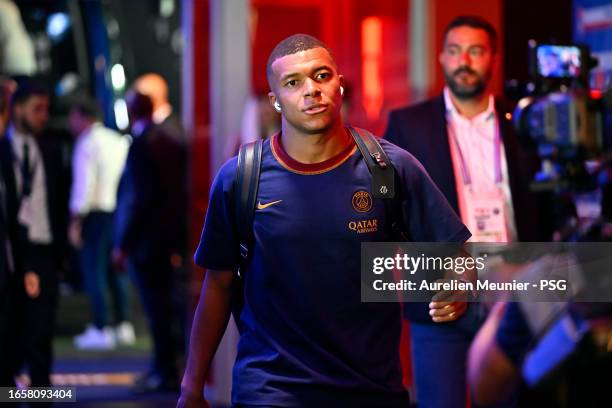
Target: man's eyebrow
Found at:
287, 76
455, 45
317, 69
322, 67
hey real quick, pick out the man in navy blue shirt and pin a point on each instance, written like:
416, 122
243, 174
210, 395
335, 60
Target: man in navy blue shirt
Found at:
307, 340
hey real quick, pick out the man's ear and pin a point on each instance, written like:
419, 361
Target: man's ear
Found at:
274, 102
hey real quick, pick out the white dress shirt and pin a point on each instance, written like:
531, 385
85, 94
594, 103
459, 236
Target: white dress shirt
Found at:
33, 212
474, 140
97, 164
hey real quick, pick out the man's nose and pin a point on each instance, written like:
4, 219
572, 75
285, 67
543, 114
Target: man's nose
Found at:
464, 59
311, 87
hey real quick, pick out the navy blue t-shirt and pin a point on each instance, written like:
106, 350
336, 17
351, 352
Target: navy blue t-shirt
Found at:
307, 338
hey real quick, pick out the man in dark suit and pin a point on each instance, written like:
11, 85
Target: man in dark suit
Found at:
152, 196
11, 277
36, 180
464, 138
155, 87
11, 291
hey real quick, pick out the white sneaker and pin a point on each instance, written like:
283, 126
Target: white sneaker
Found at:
124, 334
95, 339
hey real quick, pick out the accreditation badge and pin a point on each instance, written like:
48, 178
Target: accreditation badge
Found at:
486, 215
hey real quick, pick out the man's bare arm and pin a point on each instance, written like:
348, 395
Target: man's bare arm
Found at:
492, 376
209, 323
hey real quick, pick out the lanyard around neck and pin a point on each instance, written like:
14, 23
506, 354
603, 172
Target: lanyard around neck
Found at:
465, 173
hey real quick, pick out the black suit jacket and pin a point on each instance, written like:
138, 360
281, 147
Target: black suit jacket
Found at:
422, 130
151, 205
10, 203
5, 234
57, 181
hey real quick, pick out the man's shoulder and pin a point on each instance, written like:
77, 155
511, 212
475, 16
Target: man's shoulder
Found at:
419, 110
401, 159
226, 175
103, 131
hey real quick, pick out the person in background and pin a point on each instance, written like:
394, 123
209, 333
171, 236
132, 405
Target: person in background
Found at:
147, 234
11, 275
33, 166
466, 142
17, 55
156, 88
166, 119
97, 163
7, 88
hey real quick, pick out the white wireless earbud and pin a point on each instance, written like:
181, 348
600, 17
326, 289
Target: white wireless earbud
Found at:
277, 106
341, 90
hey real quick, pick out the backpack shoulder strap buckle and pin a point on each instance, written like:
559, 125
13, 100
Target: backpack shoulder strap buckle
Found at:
383, 173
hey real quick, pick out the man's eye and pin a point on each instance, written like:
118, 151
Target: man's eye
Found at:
291, 82
323, 75
477, 52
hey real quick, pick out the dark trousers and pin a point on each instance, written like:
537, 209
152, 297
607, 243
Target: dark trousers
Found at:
153, 276
39, 317
12, 308
98, 276
439, 358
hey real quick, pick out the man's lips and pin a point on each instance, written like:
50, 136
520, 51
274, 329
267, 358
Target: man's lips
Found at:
464, 75
314, 109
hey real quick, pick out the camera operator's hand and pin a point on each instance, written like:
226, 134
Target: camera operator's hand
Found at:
189, 399
448, 305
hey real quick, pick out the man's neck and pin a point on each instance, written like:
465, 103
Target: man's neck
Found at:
472, 107
315, 148
161, 113
20, 131
87, 129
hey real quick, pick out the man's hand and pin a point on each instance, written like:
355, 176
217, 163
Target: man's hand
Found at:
74, 233
189, 399
448, 305
119, 259
31, 282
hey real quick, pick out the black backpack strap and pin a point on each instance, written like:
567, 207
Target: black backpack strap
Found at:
381, 168
246, 186
385, 182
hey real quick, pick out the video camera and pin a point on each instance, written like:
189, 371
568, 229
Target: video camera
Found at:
562, 116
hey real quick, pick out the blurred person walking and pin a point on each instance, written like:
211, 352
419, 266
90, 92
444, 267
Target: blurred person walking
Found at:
33, 167
97, 163
150, 200
155, 87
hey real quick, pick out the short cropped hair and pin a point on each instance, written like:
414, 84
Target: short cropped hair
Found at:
474, 22
140, 105
292, 45
27, 88
85, 105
